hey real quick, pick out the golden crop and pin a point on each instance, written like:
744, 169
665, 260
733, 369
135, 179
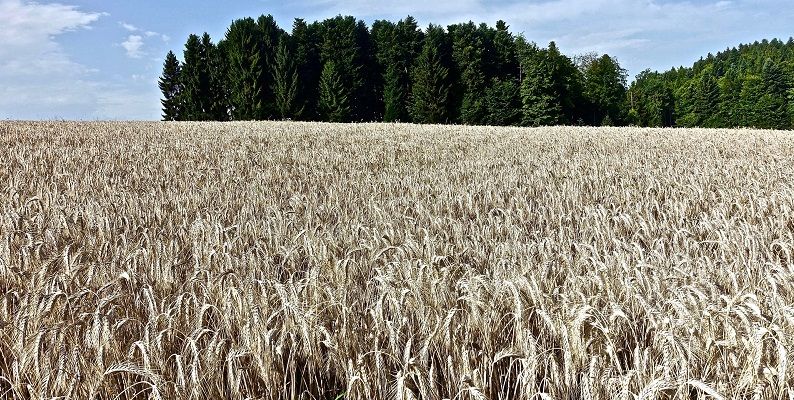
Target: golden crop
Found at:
377, 261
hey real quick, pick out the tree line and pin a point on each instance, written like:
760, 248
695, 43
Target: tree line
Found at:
341, 70
745, 86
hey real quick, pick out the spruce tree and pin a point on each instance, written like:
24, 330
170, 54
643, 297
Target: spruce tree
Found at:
468, 50
430, 90
393, 95
214, 102
171, 88
707, 99
773, 105
269, 35
396, 48
750, 97
605, 89
334, 106
503, 102
285, 83
244, 70
306, 40
540, 102
193, 76
730, 91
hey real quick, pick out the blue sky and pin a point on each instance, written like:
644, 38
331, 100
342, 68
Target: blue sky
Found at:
100, 59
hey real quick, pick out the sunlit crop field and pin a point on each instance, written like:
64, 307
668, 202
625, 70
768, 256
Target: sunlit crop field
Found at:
377, 261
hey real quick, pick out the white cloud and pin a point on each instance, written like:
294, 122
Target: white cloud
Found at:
129, 27
36, 75
133, 46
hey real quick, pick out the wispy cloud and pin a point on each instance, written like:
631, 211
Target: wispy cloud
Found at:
134, 43
133, 46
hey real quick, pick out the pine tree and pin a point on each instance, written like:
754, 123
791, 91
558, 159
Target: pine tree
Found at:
773, 105
334, 106
750, 97
285, 83
244, 70
171, 88
393, 95
214, 102
306, 41
540, 101
707, 99
730, 92
605, 89
503, 102
193, 78
430, 91
468, 50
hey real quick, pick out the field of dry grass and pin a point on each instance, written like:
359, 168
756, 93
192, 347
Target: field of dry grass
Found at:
312, 261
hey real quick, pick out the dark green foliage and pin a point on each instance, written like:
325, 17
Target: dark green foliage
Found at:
201, 97
306, 39
650, 101
171, 88
551, 89
730, 95
430, 78
339, 69
216, 102
334, 106
468, 54
503, 102
605, 90
742, 86
396, 49
707, 100
773, 105
750, 97
347, 44
245, 70
285, 82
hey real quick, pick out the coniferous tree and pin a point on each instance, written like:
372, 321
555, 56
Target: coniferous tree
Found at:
430, 90
396, 48
334, 105
285, 83
214, 100
750, 96
605, 89
384, 38
707, 99
194, 80
410, 39
269, 36
503, 102
171, 88
540, 101
468, 50
773, 104
393, 95
791, 107
651, 100
505, 61
306, 41
730, 91
245, 70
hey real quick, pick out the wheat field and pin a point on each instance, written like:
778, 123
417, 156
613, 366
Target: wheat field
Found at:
377, 261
